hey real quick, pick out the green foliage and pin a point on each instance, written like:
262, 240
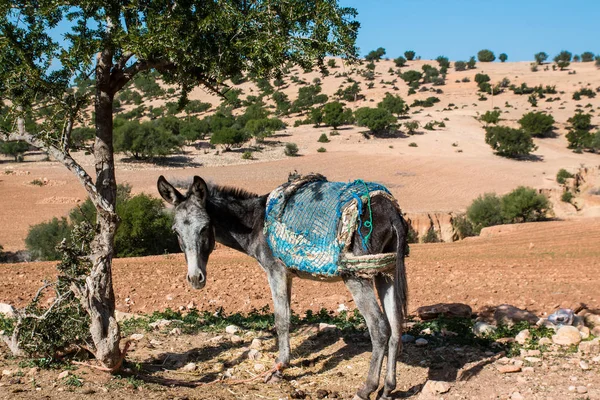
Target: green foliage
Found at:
375, 55
460, 65
400, 62
394, 104
331, 63
431, 236
192, 128
321, 150
580, 121
430, 74
597, 61
567, 196
349, 93
228, 137
232, 98
411, 77
532, 99
524, 205
481, 78
378, 120
537, 124
335, 115
291, 149
443, 62
307, 97
413, 144
80, 136
563, 59
196, 107
316, 116
410, 55
503, 57
490, 117
485, 56
282, 103
562, 176
411, 126
589, 93
145, 140
580, 136
484, 211
462, 226
509, 142
323, 138
471, 63
264, 127
247, 155
540, 57
14, 149
587, 56
428, 102
42, 239
146, 83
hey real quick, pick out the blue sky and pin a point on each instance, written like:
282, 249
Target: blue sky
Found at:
458, 29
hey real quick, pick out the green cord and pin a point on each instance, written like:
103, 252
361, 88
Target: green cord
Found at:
369, 223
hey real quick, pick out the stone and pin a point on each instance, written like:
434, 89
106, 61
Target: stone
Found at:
545, 341
256, 344
260, 367
596, 331
523, 336
590, 346
591, 320
582, 389
435, 388
406, 338
584, 365
236, 339
191, 305
215, 339
323, 327
506, 314
533, 360
483, 329
420, 342
8, 310
155, 342
161, 323
298, 394
322, 394
232, 329
63, 374
596, 359
7, 372
516, 396
508, 369
189, 367
136, 336
450, 310
33, 371
528, 370
567, 336
175, 331
254, 354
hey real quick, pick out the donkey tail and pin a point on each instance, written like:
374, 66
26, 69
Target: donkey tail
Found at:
400, 284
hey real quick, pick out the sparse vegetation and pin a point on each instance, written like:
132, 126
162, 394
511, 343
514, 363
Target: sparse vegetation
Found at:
400, 62
509, 142
410, 55
378, 120
537, 124
486, 56
14, 149
503, 57
490, 117
291, 149
540, 57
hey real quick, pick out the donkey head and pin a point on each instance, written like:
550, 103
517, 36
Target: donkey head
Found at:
192, 225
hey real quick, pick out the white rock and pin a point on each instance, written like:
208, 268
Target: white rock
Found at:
326, 327
421, 342
256, 343
572, 388
136, 336
155, 342
63, 374
254, 354
545, 341
232, 329
342, 307
7, 372
482, 329
215, 339
259, 367
584, 365
516, 396
584, 331
7, 310
523, 336
189, 367
581, 389
533, 360
175, 331
435, 388
161, 323
236, 339
567, 336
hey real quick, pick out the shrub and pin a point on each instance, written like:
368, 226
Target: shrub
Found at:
262, 128
228, 137
462, 227
460, 65
413, 144
429, 102
589, 93
291, 149
192, 128
145, 140
567, 196
532, 99
482, 78
443, 62
485, 56
411, 126
81, 135
146, 83
576, 58
411, 77
540, 57
394, 104
509, 142
331, 63
484, 211
524, 205
471, 63
350, 93
490, 117
587, 56
503, 57
321, 150
42, 239
431, 236
537, 124
563, 59
335, 115
580, 121
196, 106
14, 149
247, 155
316, 116
323, 138
375, 55
378, 120
410, 55
400, 62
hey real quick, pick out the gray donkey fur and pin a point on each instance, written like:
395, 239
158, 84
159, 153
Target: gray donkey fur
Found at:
235, 218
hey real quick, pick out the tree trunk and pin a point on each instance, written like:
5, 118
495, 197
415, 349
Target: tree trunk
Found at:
98, 293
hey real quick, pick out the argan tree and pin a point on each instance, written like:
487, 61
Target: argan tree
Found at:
187, 43
540, 57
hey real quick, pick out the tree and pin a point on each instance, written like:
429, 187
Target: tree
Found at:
540, 57
503, 57
460, 65
335, 115
331, 63
375, 55
509, 142
524, 205
400, 61
563, 59
394, 104
471, 63
485, 55
349, 93
597, 62
587, 56
485, 211
537, 124
443, 62
113, 43
490, 117
410, 55
15, 148
145, 140
579, 135
378, 120
411, 77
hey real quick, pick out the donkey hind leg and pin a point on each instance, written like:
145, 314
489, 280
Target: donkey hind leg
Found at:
363, 292
281, 287
385, 288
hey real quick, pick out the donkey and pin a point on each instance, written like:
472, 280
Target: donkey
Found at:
235, 218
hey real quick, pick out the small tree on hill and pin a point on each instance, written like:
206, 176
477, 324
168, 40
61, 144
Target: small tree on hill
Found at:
400, 61
484, 211
485, 55
394, 104
335, 115
349, 93
579, 135
378, 120
443, 62
509, 142
460, 65
490, 117
563, 59
537, 124
331, 63
15, 148
587, 56
410, 55
411, 77
471, 63
540, 57
145, 140
503, 57
524, 205
228, 137
375, 55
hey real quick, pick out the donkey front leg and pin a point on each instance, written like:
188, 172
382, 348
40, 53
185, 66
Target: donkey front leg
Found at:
364, 296
281, 286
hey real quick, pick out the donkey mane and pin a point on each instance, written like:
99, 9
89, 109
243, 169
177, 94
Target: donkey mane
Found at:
230, 192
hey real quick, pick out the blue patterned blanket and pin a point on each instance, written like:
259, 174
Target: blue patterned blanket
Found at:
303, 221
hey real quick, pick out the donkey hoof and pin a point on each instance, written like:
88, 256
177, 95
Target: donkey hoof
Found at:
273, 377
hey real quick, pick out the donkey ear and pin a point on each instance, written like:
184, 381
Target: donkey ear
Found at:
168, 191
199, 189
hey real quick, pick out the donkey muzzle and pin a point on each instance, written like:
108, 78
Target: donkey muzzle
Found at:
197, 281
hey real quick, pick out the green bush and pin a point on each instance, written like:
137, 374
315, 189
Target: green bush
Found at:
503, 57
196, 106
429, 102
562, 176
484, 211
540, 57
247, 155
431, 236
462, 226
349, 93
14, 149
394, 104
375, 55
471, 63
145, 140
228, 137
42, 239
579, 135
335, 115
587, 56
411, 77
482, 78
411, 126
146, 83
378, 120
460, 65
524, 205
331, 63
321, 150
563, 59
192, 128
443, 62
490, 117
537, 124
323, 138
400, 62
567, 196
485, 56
80, 136
291, 149
509, 142
410, 55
